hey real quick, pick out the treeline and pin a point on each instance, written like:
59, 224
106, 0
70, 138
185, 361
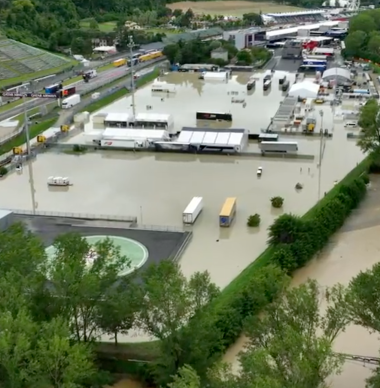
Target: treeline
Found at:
363, 39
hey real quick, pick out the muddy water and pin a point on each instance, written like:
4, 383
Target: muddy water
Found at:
355, 248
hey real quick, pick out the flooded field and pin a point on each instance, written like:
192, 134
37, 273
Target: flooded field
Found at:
355, 248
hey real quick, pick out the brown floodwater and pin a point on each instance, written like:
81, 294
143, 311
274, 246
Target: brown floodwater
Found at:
355, 248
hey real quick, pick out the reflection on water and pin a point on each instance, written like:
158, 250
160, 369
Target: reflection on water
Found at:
354, 249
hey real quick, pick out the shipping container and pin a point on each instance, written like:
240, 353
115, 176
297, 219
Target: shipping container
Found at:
278, 147
227, 214
125, 143
192, 210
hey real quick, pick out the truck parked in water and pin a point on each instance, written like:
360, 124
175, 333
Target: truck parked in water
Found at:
279, 147
192, 210
228, 212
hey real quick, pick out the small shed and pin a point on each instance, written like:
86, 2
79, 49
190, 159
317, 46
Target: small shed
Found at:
220, 53
341, 75
304, 89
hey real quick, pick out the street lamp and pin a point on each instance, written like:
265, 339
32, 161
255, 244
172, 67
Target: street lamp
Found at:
131, 44
26, 126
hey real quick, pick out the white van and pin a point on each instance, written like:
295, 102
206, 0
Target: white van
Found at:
351, 124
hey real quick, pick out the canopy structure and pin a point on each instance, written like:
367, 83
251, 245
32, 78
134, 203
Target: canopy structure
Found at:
336, 73
304, 89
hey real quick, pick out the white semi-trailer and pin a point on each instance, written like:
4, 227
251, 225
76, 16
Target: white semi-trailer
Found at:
71, 101
284, 147
192, 210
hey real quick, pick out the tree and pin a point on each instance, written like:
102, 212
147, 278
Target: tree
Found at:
169, 305
185, 378
16, 349
62, 363
277, 202
245, 57
117, 312
80, 286
253, 19
362, 22
369, 121
285, 230
363, 296
254, 220
291, 343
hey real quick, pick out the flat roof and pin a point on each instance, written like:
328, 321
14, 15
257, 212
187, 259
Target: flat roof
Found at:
210, 137
118, 117
164, 117
126, 133
292, 30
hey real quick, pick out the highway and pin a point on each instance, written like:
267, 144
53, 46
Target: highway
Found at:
102, 79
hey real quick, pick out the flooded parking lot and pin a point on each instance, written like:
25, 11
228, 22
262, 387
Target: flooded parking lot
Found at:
355, 248
157, 187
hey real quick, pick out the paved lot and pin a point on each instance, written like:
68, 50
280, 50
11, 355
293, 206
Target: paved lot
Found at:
161, 245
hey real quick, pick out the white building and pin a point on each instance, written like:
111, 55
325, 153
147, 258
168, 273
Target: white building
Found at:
245, 38
154, 121
305, 89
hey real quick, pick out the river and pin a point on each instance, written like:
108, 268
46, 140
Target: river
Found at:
354, 249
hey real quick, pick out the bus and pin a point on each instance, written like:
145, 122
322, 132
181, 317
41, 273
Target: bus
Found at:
214, 116
228, 212
150, 56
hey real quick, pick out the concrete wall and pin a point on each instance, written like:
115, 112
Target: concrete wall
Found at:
6, 219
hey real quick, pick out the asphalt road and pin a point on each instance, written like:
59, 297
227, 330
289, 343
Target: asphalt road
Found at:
102, 79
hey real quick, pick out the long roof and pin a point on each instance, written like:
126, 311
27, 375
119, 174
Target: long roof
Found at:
198, 136
292, 30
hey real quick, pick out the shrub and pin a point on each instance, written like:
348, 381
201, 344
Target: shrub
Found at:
277, 202
3, 171
254, 220
365, 179
285, 229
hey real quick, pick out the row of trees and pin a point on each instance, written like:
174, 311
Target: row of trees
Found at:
197, 51
291, 344
363, 39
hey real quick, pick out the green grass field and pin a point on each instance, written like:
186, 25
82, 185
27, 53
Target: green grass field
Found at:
104, 27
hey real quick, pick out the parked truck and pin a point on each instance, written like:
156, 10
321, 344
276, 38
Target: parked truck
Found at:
71, 101
279, 147
192, 210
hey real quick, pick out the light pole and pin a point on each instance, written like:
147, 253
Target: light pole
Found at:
320, 155
131, 44
26, 126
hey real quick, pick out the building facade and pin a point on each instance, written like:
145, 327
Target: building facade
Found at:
246, 38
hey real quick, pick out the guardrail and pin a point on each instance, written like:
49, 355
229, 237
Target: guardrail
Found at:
183, 246
159, 228
84, 216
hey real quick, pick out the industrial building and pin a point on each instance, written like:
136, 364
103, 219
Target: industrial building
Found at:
250, 37
118, 120
208, 139
341, 76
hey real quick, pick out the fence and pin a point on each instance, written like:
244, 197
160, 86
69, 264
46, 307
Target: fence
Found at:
185, 243
159, 228
92, 217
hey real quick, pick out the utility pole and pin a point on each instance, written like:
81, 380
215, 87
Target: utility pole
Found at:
320, 155
131, 44
26, 127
